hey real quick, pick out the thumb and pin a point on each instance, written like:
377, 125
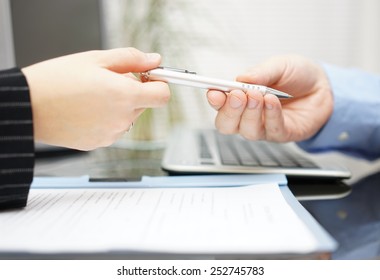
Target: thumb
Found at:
123, 60
267, 73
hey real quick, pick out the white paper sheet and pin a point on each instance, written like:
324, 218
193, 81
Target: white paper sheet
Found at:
249, 220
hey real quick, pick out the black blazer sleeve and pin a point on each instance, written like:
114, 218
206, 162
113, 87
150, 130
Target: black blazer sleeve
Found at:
16, 139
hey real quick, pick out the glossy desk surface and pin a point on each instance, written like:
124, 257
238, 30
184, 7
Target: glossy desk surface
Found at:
353, 220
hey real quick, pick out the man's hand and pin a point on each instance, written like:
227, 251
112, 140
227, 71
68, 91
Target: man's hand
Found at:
258, 117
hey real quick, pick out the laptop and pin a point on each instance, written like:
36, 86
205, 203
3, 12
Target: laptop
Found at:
205, 151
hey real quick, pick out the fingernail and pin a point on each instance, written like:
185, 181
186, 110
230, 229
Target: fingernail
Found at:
235, 102
212, 97
153, 56
268, 106
252, 103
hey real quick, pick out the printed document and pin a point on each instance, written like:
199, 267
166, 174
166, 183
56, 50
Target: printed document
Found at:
254, 219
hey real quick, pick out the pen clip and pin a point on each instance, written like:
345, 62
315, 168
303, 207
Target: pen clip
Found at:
177, 70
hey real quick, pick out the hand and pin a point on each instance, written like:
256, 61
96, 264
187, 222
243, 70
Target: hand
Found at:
258, 117
90, 99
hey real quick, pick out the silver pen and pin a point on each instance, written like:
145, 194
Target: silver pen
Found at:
189, 78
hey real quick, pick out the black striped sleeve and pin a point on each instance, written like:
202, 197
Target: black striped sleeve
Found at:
16, 139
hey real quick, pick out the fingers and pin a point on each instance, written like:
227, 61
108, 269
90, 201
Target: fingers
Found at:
131, 92
274, 120
123, 60
252, 115
263, 118
268, 73
216, 99
251, 125
228, 118
150, 95
127, 125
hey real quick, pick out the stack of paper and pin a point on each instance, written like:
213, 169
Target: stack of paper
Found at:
260, 219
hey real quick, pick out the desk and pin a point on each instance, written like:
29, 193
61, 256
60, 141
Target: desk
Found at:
354, 221
130, 165
110, 162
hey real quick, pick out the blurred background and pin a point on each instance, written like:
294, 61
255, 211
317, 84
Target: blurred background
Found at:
213, 37
216, 38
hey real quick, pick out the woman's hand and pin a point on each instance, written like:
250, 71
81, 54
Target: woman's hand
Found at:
90, 99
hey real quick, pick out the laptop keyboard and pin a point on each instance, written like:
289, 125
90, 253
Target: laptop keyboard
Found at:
234, 150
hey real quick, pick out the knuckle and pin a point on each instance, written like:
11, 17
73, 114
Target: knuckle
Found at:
133, 52
164, 94
228, 114
107, 141
224, 130
274, 136
249, 136
252, 135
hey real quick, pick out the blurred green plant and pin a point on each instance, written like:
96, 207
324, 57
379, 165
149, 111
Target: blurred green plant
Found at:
149, 28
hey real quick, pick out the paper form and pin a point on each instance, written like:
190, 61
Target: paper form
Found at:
249, 219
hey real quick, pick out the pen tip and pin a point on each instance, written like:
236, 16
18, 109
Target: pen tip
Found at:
280, 94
